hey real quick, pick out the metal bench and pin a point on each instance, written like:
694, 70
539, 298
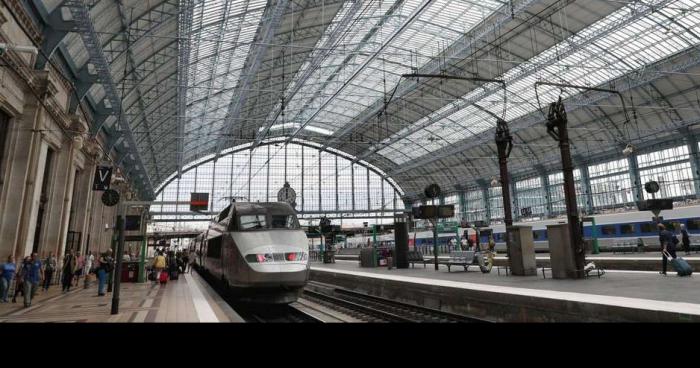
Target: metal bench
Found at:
460, 258
625, 246
587, 271
416, 257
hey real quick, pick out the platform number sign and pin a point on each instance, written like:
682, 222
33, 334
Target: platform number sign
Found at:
103, 177
199, 201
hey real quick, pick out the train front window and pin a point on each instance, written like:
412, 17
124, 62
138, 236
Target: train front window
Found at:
284, 222
253, 222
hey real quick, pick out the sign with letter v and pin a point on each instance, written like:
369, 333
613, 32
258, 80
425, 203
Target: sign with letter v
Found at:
103, 176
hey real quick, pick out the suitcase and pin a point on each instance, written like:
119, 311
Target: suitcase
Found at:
174, 275
163, 277
680, 265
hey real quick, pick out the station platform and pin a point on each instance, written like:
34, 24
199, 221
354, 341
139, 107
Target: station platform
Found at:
616, 296
188, 299
647, 261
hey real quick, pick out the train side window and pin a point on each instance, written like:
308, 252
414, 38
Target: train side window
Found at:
693, 224
627, 229
214, 247
648, 227
608, 230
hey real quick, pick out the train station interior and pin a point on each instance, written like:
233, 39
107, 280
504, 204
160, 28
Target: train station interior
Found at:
330, 161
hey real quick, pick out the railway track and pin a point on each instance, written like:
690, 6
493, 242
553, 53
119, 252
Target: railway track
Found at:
376, 309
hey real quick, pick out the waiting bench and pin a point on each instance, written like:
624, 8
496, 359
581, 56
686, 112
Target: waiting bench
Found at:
461, 258
627, 246
416, 257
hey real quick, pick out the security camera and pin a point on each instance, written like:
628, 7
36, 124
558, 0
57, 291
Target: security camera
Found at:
628, 150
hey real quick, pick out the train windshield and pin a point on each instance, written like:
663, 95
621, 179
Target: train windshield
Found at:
260, 221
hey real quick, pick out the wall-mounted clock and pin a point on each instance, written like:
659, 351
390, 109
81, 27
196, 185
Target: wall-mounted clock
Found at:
110, 197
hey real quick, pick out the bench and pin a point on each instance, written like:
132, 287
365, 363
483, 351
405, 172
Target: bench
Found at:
461, 258
416, 257
627, 246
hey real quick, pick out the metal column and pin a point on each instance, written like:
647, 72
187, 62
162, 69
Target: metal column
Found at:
557, 129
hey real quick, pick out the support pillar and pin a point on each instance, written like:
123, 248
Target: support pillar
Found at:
694, 161
557, 129
635, 178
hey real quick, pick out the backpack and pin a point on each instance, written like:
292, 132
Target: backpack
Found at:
108, 266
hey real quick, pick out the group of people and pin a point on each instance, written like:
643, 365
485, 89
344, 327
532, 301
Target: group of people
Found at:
32, 273
172, 263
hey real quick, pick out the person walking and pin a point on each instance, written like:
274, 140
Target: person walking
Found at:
685, 239
19, 279
7, 272
158, 264
68, 270
31, 273
79, 265
106, 264
186, 261
666, 240
50, 265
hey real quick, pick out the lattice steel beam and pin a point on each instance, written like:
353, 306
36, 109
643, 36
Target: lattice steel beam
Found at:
86, 29
646, 76
316, 58
411, 18
266, 30
184, 27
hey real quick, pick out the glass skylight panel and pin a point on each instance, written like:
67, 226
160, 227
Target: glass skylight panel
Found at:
434, 27
630, 45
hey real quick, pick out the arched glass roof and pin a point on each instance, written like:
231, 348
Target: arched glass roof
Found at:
172, 81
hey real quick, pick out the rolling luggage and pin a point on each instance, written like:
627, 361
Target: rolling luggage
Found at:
680, 265
164, 277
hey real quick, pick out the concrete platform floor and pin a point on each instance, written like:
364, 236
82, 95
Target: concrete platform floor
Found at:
188, 299
647, 285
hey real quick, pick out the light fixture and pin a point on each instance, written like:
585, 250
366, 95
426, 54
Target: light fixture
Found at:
495, 182
629, 149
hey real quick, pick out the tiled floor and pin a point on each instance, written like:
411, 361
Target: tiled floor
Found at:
187, 299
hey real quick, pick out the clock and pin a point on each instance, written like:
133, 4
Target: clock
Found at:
432, 191
286, 194
110, 197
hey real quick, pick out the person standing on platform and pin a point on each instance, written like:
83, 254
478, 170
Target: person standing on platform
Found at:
7, 272
50, 265
103, 269
79, 265
19, 279
126, 257
667, 245
31, 273
685, 239
68, 270
89, 261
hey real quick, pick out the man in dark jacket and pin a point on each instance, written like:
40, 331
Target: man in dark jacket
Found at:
685, 240
667, 245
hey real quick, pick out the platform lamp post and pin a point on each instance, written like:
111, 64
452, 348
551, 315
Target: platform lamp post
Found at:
504, 143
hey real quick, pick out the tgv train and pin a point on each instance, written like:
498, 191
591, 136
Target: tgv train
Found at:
258, 251
611, 229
